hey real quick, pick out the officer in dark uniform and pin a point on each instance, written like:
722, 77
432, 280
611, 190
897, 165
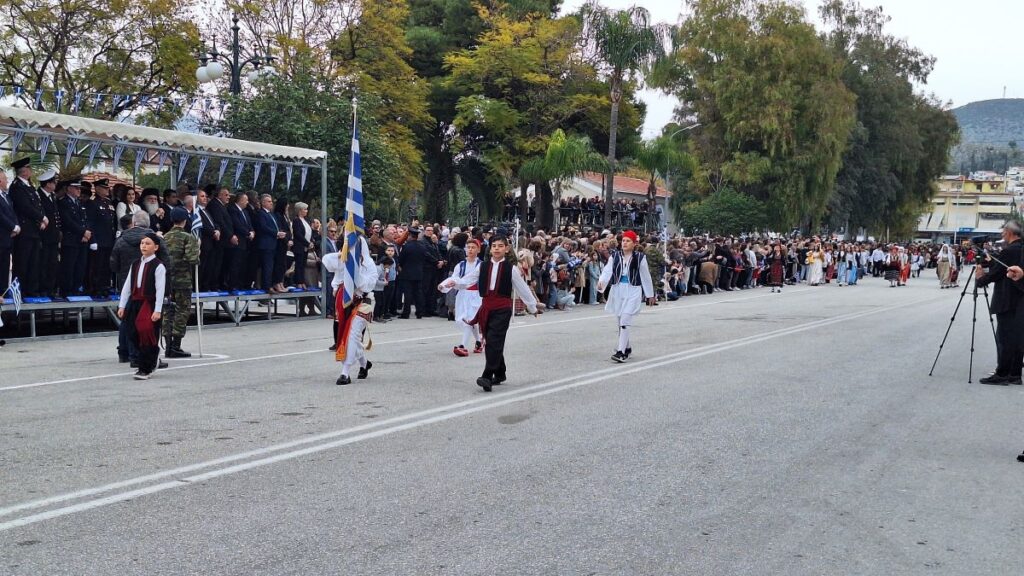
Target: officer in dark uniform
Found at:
75, 241
102, 220
410, 273
1005, 301
49, 264
28, 245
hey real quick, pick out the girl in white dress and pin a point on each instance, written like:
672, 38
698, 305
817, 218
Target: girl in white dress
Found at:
632, 285
467, 300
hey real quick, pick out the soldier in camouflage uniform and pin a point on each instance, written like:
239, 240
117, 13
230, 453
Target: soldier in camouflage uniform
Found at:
183, 249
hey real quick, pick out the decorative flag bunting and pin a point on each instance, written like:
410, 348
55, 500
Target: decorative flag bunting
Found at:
140, 155
39, 98
256, 172
3, 90
203, 161
302, 177
223, 169
118, 150
60, 99
70, 150
94, 147
182, 162
44, 147
16, 141
273, 174
288, 177
354, 224
238, 173
162, 160
78, 102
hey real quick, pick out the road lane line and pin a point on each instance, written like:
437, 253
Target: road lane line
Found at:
515, 326
419, 419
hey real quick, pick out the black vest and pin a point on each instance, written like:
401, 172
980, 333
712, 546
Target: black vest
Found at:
148, 277
634, 268
504, 284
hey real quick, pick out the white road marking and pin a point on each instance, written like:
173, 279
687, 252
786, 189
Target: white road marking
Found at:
516, 326
391, 426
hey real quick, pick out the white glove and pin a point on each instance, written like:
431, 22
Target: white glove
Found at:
94, 246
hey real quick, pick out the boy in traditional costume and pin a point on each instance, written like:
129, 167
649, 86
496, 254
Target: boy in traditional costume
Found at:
350, 325
142, 304
496, 279
467, 300
632, 285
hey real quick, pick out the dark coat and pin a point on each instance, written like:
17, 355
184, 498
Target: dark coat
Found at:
266, 230
219, 214
241, 225
102, 221
74, 221
8, 220
411, 260
52, 233
126, 252
28, 208
1004, 297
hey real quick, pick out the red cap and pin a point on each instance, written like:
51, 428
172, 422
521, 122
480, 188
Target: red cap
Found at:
631, 235
474, 241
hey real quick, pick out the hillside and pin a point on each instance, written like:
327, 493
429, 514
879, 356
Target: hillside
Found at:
987, 127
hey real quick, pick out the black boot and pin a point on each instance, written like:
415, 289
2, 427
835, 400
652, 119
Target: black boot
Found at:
174, 349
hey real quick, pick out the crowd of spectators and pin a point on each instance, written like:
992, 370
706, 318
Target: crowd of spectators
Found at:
583, 211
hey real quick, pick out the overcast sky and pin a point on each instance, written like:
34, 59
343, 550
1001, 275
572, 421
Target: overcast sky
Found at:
975, 42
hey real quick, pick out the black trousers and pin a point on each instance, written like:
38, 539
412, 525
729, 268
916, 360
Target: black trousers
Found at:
494, 351
238, 269
1009, 340
72, 267
211, 263
413, 292
5, 270
148, 355
389, 303
100, 273
26, 264
49, 268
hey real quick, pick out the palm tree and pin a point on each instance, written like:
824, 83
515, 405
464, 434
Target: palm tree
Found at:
626, 42
565, 158
660, 155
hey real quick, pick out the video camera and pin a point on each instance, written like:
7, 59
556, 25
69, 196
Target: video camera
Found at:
984, 239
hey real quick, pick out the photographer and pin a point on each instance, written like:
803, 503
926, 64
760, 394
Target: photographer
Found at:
1005, 302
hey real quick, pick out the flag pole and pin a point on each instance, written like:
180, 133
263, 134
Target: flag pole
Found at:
199, 314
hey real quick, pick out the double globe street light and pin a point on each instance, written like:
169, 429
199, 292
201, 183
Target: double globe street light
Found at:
212, 63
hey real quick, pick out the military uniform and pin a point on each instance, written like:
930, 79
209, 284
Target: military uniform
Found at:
183, 249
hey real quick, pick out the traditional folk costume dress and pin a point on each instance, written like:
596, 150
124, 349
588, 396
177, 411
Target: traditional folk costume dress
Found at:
892, 267
350, 329
467, 303
944, 266
776, 270
496, 280
141, 296
814, 265
632, 284
904, 266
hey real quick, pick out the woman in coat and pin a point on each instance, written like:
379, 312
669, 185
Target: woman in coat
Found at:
302, 240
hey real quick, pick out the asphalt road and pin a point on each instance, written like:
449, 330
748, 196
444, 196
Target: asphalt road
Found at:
751, 433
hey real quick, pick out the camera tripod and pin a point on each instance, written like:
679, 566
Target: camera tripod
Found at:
974, 322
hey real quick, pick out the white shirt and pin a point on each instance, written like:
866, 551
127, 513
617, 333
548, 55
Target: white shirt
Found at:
522, 289
161, 283
366, 274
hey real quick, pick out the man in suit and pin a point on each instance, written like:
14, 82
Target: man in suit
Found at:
267, 234
103, 222
49, 263
410, 273
212, 256
433, 267
76, 239
9, 230
216, 206
1005, 301
28, 246
242, 235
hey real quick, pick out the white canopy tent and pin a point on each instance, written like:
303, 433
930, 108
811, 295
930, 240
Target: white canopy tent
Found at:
66, 137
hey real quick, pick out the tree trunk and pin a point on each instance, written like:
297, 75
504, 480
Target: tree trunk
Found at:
524, 202
613, 129
437, 183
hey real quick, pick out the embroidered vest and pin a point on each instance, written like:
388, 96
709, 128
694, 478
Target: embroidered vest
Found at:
503, 286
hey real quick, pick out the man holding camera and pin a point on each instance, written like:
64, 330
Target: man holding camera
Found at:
1005, 304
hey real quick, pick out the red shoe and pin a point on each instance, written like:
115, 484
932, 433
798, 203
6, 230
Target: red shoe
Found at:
478, 349
460, 351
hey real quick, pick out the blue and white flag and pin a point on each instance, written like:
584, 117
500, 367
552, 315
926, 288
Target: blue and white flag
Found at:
118, 151
273, 174
354, 223
197, 223
238, 172
223, 169
44, 147
288, 177
70, 150
203, 161
182, 162
14, 289
94, 147
256, 172
140, 155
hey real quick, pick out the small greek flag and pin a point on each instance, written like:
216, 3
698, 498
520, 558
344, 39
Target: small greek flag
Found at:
14, 289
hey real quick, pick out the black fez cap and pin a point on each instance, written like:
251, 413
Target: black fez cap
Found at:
104, 182
20, 163
154, 237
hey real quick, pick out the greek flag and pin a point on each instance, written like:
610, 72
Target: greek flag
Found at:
354, 224
197, 223
14, 289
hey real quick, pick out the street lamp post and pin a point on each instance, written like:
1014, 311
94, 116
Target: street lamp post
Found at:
212, 62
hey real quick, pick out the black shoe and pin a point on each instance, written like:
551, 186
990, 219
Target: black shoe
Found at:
995, 379
1011, 379
628, 352
161, 364
343, 380
618, 357
364, 372
333, 347
175, 351
123, 359
403, 317
140, 375
484, 383
498, 380
1020, 457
